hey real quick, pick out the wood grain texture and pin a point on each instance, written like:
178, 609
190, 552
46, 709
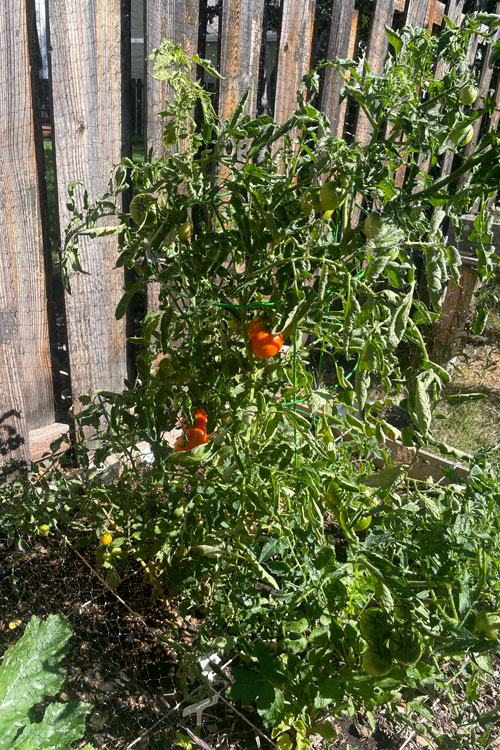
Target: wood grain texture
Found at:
341, 43
40, 440
23, 300
449, 329
433, 15
376, 52
177, 21
417, 11
350, 53
294, 54
240, 44
86, 76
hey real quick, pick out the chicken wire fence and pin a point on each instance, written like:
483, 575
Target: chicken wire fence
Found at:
116, 660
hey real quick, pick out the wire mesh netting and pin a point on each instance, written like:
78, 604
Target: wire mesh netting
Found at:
116, 659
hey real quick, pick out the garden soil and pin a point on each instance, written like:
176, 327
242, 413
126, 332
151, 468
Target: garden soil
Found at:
118, 664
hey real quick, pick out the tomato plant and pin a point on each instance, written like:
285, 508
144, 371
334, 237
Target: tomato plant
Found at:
252, 516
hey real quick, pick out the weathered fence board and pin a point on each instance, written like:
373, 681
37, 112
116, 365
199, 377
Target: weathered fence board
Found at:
177, 21
341, 44
241, 39
24, 324
377, 48
294, 56
86, 80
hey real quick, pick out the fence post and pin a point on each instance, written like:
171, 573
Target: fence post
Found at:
240, 42
26, 391
294, 58
87, 95
177, 21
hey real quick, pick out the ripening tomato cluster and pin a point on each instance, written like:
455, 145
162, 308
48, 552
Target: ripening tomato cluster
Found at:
263, 344
404, 644
193, 436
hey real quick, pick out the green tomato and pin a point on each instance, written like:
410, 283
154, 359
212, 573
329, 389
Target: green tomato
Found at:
330, 196
44, 529
462, 136
488, 624
468, 94
377, 660
362, 524
348, 515
310, 202
374, 624
142, 210
405, 646
372, 225
335, 495
116, 551
186, 229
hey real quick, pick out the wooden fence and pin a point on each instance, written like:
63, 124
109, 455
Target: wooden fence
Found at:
90, 93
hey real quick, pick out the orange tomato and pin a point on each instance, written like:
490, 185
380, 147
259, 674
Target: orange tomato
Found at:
193, 436
265, 344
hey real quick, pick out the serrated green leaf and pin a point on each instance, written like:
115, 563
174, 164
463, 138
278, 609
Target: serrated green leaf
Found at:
423, 410
430, 505
361, 386
384, 595
434, 276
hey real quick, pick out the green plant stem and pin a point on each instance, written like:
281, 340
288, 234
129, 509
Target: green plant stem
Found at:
436, 186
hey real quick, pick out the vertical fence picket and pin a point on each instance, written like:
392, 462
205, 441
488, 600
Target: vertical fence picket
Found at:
377, 48
240, 43
177, 21
340, 44
26, 391
87, 96
294, 57
418, 10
